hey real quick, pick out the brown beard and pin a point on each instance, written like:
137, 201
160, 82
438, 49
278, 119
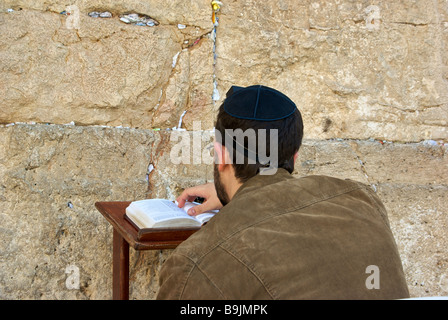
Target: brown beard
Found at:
220, 190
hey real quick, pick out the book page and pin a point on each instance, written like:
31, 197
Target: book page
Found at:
189, 205
203, 217
160, 209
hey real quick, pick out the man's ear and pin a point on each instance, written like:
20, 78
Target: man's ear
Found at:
222, 158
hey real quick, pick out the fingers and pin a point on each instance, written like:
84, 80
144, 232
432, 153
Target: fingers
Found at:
198, 209
187, 195
206, 191
208, 205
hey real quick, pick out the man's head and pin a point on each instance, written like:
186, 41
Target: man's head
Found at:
256, 127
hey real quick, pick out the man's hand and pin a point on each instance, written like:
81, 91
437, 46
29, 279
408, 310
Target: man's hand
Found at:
206, 191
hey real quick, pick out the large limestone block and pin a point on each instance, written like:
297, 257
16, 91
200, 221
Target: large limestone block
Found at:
50, 178
102, 70
355, 70
332, 158
413, 163
419, 220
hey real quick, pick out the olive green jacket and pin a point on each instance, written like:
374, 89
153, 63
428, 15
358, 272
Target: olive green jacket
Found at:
282, 237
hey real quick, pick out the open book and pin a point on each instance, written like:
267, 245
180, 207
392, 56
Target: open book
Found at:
161, 213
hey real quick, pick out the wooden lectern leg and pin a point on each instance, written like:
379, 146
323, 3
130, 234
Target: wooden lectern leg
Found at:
120, 267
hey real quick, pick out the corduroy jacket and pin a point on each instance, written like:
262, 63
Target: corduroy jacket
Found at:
282, 237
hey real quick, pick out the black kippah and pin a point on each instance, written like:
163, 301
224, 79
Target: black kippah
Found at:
258, 103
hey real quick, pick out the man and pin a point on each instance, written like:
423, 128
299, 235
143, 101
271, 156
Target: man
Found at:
276, 236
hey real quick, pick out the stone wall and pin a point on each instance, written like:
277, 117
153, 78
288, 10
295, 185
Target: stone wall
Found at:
88, 104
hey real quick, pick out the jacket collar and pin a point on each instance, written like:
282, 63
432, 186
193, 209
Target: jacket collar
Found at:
268, 177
